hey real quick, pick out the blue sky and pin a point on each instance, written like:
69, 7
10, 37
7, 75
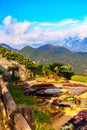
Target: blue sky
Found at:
25, 22
43, 10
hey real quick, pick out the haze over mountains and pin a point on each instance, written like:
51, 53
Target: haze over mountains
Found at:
7, 46
75, 43
48, 53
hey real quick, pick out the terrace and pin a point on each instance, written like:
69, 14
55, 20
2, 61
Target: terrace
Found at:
55, 97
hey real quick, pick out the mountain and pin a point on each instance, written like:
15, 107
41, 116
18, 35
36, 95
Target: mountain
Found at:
26, 50
47, 54
46, 47
76, 44
31, 52
7, 46
56, 49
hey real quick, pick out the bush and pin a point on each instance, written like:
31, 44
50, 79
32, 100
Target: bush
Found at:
1, 72
79, 78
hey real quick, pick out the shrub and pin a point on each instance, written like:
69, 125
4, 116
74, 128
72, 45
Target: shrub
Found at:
1, 72
79, 78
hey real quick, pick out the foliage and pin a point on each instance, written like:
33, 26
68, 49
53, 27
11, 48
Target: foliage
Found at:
1, 72
66, 67
13, 69
16, 56
41, 116
19, 97
60, 55
61, 70
67, 74
79, 78
36, 69
43, 126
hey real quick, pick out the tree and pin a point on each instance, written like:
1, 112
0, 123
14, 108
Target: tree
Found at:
67, 71
13, 69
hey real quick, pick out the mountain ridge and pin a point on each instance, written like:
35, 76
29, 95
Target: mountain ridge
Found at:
74, 43
59, 54
7, 46
51, 54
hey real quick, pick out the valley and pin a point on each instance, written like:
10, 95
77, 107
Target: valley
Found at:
48, 54
51, 90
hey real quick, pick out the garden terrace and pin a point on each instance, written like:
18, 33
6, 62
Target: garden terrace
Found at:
79, 122
74, 85
36, 85
77, 91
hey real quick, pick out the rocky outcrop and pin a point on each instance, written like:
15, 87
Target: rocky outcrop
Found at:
23, 72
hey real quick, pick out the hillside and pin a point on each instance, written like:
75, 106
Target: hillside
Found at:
56, 49
49, 54
12, 58
7, 46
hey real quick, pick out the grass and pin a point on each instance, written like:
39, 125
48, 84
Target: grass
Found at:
79, 78
41, 116
19, 97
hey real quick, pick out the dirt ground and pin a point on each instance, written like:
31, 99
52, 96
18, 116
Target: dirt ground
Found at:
58, 122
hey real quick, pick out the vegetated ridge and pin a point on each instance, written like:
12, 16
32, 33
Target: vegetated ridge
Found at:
48, 53
7, 47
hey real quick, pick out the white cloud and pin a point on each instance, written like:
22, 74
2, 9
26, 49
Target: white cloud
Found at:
17, 33
9, 20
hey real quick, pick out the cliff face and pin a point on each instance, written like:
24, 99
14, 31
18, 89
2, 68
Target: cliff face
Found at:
4, 63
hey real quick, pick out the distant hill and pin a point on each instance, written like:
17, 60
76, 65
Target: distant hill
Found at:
46, 47
56, 49
74, 43
48, 53
7, 46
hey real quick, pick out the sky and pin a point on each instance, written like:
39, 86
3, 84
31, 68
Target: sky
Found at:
30, 22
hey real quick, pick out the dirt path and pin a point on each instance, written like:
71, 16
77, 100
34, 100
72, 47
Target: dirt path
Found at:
71, 81
58, 122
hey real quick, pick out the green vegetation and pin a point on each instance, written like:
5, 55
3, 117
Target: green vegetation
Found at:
19, 97
79, 78
1, 72
36, 69
57, 54
16, 56
42, 117
14, 76
68, 98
